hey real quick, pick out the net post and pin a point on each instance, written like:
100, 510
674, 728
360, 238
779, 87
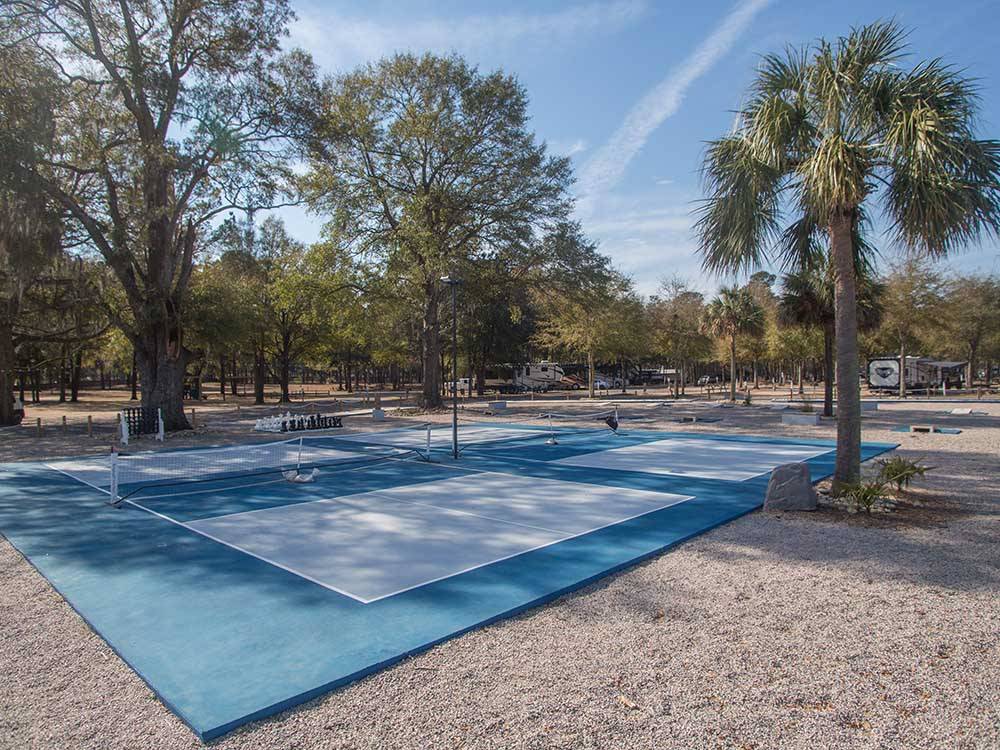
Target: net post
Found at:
159, 425
114, 477
552, 433
298, 460
428, 441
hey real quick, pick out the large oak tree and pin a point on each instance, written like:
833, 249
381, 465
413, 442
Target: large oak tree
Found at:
170, 113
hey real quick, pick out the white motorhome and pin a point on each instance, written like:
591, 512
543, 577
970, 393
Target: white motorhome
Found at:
538, 376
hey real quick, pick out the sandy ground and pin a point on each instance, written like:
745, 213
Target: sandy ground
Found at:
822, 630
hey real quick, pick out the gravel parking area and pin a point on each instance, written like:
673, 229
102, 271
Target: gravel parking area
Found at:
822, 630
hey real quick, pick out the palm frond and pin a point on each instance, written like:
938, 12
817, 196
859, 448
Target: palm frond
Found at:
740, 218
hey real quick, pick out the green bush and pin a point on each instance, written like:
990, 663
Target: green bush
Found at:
864, 494
899, 471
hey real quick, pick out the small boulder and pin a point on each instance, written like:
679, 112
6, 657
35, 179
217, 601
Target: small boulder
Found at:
790, 489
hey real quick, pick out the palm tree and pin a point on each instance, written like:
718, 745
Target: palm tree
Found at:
828, 131
807, 300
733, 313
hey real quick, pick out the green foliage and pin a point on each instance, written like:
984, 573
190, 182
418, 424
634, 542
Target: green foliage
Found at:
971, 319
864, 494
827, 132
428, 167
900, 471
674, 325
733, 313
583, 302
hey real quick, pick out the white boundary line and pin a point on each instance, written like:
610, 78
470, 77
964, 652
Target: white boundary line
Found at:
244, 551
559, 462
78, 479
682, 499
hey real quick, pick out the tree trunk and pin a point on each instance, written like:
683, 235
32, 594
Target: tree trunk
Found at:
133, 378
74, 380
222, 376
590, 373
259, 375
6, 369
162, 376
828, 341
732, 369
848, 463
431, 345
63, 374
481, 379
902, 368
283, 376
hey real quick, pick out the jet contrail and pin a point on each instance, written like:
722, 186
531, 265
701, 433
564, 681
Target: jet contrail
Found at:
607, 166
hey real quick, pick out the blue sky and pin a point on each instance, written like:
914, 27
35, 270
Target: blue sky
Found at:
631, 90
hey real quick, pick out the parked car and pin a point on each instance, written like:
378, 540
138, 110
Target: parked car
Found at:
707, 380
602, 384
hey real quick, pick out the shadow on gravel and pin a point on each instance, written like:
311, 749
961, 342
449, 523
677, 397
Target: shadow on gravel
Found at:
943, 533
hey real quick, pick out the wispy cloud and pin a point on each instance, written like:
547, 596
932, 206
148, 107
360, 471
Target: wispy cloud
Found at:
609, 163
338, 41
567, 148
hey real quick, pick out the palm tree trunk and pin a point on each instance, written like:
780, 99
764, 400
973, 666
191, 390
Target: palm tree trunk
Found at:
732, 369
848, 463
828, 339
902, 368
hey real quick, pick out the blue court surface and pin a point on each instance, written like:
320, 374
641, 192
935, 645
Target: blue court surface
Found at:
236, 591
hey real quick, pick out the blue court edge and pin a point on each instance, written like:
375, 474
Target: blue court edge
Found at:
223, 638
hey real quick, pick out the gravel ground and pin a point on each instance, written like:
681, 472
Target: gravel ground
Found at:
793, 631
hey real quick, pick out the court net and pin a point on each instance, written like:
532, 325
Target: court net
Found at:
547, 427
295, 460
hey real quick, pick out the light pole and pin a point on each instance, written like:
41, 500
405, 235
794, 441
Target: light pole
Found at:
453, 282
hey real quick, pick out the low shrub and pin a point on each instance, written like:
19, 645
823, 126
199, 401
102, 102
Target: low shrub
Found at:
864, 494
899, 471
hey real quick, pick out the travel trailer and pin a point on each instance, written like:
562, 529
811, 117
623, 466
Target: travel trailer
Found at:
921, 373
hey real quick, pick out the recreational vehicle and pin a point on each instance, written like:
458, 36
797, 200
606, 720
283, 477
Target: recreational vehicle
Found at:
534, 376
921, 373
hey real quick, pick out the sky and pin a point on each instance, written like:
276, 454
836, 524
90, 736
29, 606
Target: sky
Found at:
631, 90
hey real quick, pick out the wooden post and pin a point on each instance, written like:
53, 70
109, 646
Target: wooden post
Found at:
194, 418
38, 427
64, 424
90, 426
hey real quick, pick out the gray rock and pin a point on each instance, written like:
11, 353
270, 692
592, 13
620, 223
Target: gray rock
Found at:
790, 489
